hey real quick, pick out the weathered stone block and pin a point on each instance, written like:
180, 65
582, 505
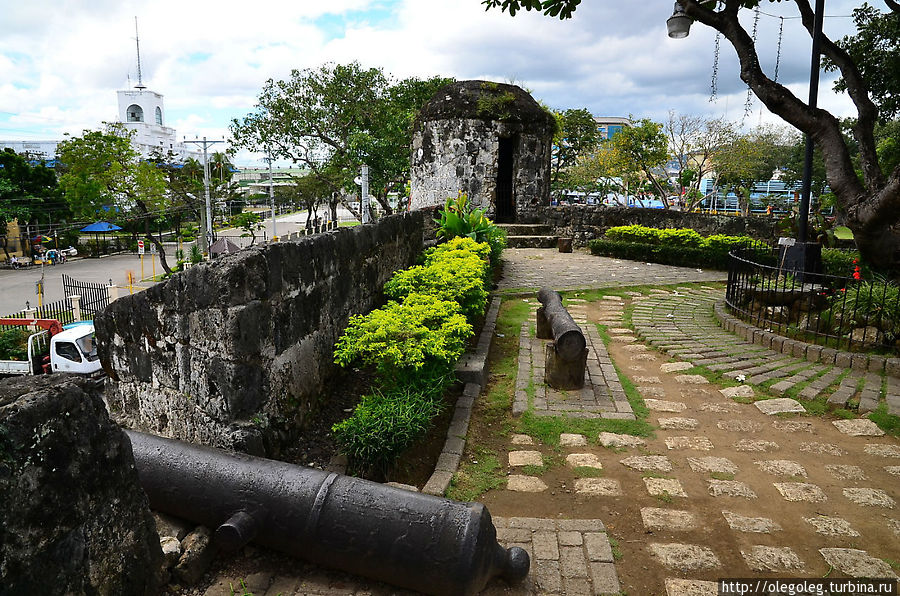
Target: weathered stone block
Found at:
74, 519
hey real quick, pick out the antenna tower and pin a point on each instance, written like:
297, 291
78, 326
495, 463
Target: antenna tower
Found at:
137, 41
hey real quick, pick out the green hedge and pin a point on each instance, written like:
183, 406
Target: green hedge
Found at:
682, 247
413, 344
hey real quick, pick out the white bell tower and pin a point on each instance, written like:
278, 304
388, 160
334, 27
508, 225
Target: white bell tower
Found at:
142, 111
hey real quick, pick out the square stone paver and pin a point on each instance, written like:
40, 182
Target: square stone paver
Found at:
572, 440
856, 563
648, 380
618, 441
685, 557
723, 408
859, 427
664, 486
781, 405
545, 546
742, 523
869, 497
525, 484
738, 391
822, 449
842, 472
525, 458
782, 467
695, 443
583, 460
670, 367
691, 379
740, 426
794, 426
678, 423
800, 491
882, 450
831, 526
710, 465
598, 547
691, 587
521, 440
668, 519
755, 446
772, 558
729, 488
645, 463
658, 405
598, 487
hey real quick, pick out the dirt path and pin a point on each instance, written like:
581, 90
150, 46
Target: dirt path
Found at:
721, 490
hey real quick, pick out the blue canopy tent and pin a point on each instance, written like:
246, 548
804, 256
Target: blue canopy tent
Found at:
100, 226
97, 227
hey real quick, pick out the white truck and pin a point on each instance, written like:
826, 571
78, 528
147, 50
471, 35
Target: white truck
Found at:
53, 347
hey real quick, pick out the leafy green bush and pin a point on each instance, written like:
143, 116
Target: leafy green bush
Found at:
401, 338
840, 263
680, 237
458, 218
383, 425
684, 256
635, 233
459, 280
671, 246
14, 344
458, 246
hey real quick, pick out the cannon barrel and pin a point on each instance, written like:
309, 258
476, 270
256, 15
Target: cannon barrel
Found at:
566, 334
426, 543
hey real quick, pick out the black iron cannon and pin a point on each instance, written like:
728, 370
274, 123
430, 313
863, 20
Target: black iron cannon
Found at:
412, 540
566, 356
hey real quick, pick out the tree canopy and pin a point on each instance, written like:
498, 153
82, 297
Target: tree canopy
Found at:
335, 118
102, 172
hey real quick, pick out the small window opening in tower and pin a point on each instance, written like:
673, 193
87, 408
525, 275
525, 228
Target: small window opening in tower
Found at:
158, 116
135, 113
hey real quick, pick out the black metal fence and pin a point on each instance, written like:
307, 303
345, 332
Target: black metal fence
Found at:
60, 310
852, 312
94, 296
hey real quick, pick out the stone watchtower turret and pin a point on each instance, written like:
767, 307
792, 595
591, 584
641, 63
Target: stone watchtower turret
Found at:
491, 141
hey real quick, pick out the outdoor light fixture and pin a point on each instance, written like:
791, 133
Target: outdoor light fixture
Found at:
679, 24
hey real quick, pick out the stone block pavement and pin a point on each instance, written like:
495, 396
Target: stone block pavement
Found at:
757, 480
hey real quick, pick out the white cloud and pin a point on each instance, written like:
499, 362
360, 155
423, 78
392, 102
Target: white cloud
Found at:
59, 70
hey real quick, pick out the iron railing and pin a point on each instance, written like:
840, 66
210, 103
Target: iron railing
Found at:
850, 313
94, 296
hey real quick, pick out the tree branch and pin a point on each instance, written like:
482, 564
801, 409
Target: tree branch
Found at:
859, 93
819, 124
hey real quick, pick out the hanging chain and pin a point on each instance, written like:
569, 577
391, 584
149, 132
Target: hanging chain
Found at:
748, 103
778, 50
714, 84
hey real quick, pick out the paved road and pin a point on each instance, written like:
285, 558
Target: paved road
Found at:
17, 286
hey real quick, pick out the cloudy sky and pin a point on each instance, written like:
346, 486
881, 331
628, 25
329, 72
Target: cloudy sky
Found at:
61, 63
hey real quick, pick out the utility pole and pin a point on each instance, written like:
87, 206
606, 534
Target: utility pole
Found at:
272, 193
209, 231
364, 195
